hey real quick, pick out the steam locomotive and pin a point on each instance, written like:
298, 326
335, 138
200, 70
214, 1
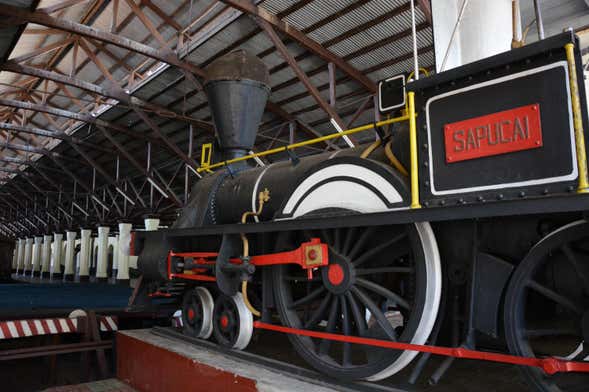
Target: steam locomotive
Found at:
468, 214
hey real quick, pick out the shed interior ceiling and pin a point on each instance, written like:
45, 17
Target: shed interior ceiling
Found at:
372, 36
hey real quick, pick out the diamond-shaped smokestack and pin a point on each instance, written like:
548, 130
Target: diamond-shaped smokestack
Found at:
237, 86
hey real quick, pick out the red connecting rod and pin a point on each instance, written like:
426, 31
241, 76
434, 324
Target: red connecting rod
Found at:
549, 365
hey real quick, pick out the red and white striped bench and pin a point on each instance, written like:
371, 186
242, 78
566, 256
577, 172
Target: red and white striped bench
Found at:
52, 326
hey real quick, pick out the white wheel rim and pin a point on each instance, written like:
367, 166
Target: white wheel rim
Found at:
246, 323
206, 300
433, 270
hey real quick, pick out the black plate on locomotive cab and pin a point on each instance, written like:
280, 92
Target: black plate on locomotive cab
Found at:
467, 154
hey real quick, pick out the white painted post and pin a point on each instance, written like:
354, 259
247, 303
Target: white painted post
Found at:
114, 242
70, 249
37, 256
93, 255
15, 257
151, 224
124, 249
101, 264
46, 257
28, 255
20, 264
56, 256
85, 252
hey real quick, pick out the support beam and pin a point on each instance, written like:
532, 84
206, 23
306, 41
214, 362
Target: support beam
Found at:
303, 40
60, 6
41, 108
144, 117
426, 8
52, 134
139, 166
167, 56
192, 164
165, 17
267, 27
73, 142
113, 92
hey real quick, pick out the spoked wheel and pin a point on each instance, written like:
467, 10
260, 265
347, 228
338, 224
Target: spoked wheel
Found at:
233, 322
197, 313
547, 306
381, 283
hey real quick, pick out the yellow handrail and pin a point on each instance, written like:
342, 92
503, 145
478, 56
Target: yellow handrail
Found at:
413, 150
583, 186
305, 143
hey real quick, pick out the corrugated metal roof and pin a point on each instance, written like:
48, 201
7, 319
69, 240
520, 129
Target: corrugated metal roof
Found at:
346, 28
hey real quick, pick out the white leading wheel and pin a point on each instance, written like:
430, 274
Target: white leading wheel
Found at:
233, 322
197, 313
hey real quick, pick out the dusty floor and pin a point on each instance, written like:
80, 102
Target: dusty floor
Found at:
464, 375
108, 385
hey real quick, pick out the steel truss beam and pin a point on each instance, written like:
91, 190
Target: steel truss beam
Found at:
53, 134
22, 15
306, 42
267, 27
113, 92
86, 118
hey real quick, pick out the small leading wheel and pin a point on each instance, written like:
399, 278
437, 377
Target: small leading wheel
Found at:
197, 313
381, 283
547, 306
233, 322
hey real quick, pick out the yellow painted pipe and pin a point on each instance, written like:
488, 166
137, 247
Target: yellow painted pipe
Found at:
306, 142
413, 150
583, 186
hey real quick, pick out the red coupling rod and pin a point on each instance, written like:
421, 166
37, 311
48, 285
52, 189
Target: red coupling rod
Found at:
549, 365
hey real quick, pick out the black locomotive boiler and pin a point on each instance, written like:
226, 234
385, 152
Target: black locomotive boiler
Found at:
468, 214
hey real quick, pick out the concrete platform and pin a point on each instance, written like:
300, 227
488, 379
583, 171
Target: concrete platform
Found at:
109, 385
155, 363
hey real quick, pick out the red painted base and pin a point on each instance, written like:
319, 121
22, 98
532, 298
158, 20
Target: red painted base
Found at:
147, 367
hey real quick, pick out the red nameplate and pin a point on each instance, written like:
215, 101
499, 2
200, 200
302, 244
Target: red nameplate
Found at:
493, 134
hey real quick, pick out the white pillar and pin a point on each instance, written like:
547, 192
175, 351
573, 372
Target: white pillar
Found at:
63, 254
93, 255
85, 252
486, 29
114, 242
46, 256
15, 257
56, 256
151, 224
28, 255
36, 271
102, 261
70, 249
20, 264
124, 248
